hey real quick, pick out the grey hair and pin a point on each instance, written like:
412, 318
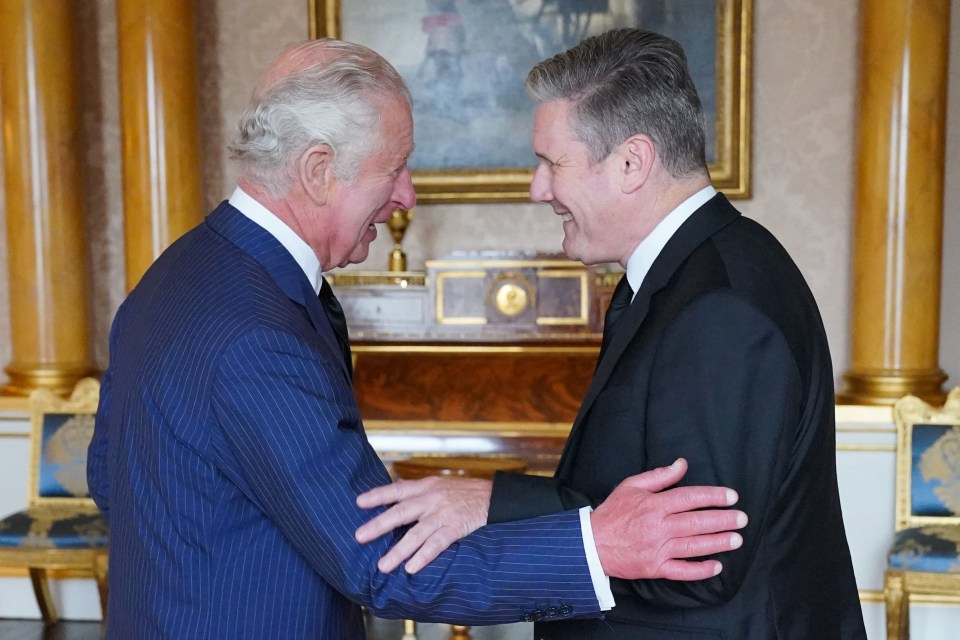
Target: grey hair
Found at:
334, 101
626, 82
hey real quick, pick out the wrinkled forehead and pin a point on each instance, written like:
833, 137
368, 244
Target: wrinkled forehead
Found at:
397, 121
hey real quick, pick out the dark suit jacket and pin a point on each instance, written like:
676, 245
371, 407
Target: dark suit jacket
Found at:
722, 359
228, 454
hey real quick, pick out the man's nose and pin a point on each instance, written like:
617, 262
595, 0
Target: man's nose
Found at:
540, 190
403, 193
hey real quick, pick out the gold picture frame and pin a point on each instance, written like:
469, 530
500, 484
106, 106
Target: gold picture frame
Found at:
726, 92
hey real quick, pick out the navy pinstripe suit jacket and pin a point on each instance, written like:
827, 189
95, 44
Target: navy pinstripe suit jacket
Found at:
228, 454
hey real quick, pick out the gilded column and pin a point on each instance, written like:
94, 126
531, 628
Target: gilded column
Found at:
159, 112
898, 232
49, 286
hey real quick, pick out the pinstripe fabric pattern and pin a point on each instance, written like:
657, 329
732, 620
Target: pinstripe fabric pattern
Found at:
228, 454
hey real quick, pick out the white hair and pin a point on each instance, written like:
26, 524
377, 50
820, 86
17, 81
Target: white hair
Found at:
334, 101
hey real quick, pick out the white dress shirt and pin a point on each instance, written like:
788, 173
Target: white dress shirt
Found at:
650, 247
286, 236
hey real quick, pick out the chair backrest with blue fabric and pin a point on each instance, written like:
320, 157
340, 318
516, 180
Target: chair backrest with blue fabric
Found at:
928, 462
60, 433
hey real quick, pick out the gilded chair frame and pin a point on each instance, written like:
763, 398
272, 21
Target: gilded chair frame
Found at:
899, 585
38, 562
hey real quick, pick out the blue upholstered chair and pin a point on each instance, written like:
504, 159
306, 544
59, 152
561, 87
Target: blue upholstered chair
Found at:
925, 557
61, 527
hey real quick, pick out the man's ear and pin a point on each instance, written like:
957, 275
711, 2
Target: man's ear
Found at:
638, 153
315, 172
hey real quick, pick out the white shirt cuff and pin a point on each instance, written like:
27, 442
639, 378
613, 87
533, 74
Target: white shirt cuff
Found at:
601, 583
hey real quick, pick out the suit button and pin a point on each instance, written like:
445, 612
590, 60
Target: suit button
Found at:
527, 618
537, 616
552, 611
566, 610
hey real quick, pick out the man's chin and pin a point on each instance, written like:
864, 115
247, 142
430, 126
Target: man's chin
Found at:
569, 249
358, 255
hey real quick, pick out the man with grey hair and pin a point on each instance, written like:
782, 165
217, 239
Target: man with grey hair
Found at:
228, 451
713, 346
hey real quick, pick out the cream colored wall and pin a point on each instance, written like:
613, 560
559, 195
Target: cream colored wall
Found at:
805, 66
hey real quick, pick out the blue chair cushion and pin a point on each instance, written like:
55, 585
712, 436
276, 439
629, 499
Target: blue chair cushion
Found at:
935, 465
63, 455
44, 529
933, 549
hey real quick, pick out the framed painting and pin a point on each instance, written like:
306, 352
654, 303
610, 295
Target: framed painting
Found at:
465, 62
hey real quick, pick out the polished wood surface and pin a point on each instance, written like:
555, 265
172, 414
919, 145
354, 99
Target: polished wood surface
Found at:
456, 466
497, 385
48, 278
899, 202
159, 121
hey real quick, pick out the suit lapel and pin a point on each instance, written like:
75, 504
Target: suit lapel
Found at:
715, 214
280, 266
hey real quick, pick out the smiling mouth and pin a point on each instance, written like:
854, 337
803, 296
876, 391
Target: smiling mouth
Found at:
567, 217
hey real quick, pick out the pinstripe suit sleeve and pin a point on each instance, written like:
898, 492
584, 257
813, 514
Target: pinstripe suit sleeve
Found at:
290, 437
97, 452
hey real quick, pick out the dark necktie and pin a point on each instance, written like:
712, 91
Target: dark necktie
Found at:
619, 302
334, 313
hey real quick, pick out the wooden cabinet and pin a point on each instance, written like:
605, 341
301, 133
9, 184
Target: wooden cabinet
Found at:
482, 354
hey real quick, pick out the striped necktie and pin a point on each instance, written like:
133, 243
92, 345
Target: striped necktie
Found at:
337, 320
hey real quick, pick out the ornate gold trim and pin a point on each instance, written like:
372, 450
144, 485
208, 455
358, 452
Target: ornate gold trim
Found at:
14, 404
53, 574
908, 412
609, 279
548, 321
466, 428
584, 298
512, 299
883, 430
477, 349
505, 263
867, 447
466, 320
402, 279
884, 388
876, 596
84, 399
50, 558
22, 381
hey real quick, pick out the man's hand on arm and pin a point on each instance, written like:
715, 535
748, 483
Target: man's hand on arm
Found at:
445, 510
642, 531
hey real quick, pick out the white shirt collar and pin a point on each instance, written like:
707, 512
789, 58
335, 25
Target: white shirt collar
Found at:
286, 236
640, 261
